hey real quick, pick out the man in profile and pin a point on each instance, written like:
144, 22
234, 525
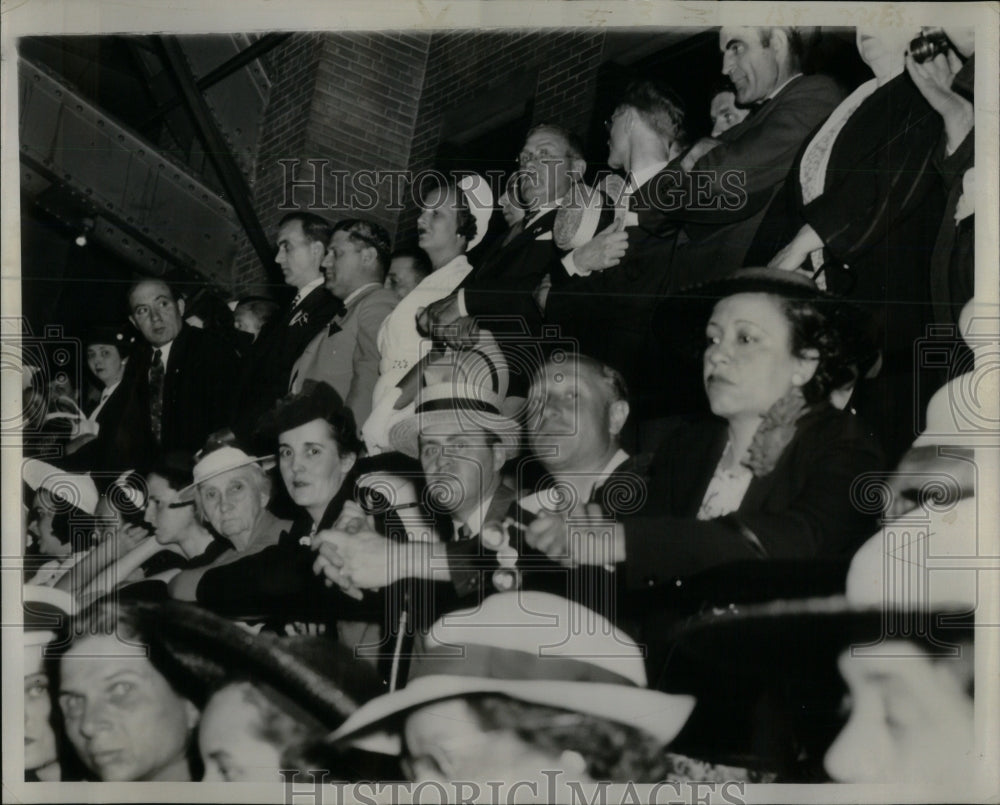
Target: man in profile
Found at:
303, 238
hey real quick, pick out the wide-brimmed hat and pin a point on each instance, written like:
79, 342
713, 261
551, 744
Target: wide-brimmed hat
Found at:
479, 198
223, 459
71, 488
314, 678
682, 317
454, 408
903, 588
530, 646
585, 212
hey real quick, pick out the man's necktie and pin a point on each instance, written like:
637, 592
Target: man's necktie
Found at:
156, 372
520, 226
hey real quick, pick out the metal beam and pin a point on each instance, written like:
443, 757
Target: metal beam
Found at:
217, 149
224, 70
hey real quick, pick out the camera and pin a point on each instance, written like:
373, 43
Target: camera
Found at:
931, 42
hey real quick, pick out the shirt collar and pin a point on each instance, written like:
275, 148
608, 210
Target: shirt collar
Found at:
476, 517
550, 206
619, 458
164, 351
309, 287
357, 292
781, 86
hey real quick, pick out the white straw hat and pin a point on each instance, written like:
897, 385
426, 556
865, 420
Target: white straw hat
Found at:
223, 460
534, 647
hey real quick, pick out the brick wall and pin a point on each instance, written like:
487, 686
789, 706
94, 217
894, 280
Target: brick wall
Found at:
348, 101
282, 135
383, 101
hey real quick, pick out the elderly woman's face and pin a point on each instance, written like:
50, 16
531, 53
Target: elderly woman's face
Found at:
748, 363
911, 719
231, 747
232, 501
311, 465
445, 743
162, 512
124, 719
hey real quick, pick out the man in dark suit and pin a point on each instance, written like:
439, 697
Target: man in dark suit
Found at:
303, 238
500, 294
184, 379
733, 179
608, 300
346, 355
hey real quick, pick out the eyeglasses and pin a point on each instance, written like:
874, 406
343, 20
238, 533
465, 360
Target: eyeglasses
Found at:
526, 158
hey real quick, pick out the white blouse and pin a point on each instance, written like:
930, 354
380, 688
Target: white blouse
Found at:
726, 490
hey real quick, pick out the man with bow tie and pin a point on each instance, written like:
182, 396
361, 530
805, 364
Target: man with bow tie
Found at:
346, 354
302, 247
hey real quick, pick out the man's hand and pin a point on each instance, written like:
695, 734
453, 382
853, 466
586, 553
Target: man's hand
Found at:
604, 250
795, 253
925, 471
697, 151
353, 519
442, 313
355, 562
574, 544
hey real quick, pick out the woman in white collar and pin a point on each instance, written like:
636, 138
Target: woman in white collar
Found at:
453, 220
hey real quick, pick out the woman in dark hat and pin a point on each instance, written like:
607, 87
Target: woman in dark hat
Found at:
127, 712
259, 695
108, 437
769, 476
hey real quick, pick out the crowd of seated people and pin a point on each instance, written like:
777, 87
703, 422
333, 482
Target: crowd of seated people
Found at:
471, 516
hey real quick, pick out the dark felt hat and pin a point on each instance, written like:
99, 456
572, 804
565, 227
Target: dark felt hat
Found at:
682, 317
316, 400
310, 676
117, 335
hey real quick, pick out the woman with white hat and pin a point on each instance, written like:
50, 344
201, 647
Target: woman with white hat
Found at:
532, 693
453, 220
231, 489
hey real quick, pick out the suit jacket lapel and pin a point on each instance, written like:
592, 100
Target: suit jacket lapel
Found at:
501, 253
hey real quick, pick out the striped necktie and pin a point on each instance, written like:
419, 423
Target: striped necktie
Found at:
156, 373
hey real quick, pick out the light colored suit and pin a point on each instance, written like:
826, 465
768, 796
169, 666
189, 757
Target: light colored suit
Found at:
345, 354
